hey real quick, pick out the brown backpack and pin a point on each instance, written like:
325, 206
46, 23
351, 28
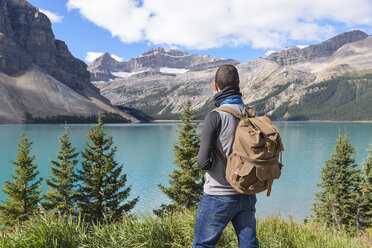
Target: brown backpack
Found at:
254, 162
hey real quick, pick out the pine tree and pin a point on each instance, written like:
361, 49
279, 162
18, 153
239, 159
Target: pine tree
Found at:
366, 189
24, 191
186, 182
61, 196
337, 203
103, 185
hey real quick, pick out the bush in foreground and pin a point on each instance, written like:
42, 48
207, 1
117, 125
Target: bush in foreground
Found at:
175, 230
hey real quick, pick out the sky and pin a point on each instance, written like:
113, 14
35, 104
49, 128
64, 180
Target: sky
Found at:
232, 29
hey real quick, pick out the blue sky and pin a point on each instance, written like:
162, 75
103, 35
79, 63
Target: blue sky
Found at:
237, 29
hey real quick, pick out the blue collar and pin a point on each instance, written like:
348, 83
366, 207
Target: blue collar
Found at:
235, 100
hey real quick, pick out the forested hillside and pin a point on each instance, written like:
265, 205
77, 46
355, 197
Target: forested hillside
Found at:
341, 98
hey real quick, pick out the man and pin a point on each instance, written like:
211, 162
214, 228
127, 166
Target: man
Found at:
220, 203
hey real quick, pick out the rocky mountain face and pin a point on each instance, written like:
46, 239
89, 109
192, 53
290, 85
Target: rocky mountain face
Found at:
100, 69
27, 39
281, 85
294, 55
28, 48
151, 62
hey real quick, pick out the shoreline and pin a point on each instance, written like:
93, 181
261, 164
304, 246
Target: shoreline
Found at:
200, 121
171, 121
180, 121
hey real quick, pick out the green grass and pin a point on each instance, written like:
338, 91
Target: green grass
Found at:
175, 230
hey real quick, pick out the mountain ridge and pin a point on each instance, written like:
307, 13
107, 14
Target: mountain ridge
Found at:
151, 61
294, 55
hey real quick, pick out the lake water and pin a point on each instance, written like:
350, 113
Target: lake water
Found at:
146, 152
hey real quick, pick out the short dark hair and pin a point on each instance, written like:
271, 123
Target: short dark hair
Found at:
226, 75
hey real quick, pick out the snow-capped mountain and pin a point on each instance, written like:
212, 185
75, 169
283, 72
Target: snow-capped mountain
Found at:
151, 62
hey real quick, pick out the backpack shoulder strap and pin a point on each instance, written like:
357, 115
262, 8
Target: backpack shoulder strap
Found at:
230, 111
234, 113
217, 153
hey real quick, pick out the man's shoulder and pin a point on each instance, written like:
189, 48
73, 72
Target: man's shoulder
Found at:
212, 115
237, 107
226, 115
212, 119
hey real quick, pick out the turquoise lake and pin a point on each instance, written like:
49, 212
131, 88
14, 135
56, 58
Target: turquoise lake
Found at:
146, 152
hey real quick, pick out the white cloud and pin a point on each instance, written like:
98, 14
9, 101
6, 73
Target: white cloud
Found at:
203, 24
117, 58
53, 17
269, 52
91, 56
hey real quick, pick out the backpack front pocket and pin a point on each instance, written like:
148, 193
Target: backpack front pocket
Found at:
240, 174
268, 172
245, 175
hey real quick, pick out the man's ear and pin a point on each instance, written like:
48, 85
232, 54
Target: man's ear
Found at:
238, 83
216, 87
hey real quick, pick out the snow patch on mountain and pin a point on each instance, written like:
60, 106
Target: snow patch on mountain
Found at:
122, 74
302, 46
173, 70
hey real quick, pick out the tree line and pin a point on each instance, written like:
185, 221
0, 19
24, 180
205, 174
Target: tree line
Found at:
106, 117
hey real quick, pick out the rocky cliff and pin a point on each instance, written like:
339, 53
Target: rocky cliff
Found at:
27, 39
100, 69
272, 86
27, 45
154, 60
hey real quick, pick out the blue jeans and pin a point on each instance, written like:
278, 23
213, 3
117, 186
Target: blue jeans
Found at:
216, 211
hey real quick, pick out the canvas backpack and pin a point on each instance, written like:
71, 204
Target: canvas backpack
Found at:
254, 162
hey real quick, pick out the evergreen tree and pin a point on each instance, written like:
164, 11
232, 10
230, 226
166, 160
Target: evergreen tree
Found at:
24, 191
103, 185
366, 198
337, 203
186, 182
61, 196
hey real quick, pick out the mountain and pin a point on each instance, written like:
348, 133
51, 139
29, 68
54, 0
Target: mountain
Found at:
38, 74
293, 84
297, 54
153, 62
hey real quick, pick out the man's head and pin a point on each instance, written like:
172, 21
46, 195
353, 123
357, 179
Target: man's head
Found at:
226, 75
